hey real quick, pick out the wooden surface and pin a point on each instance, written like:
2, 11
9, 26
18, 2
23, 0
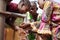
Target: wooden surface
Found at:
16, 36
2, 19
8, 34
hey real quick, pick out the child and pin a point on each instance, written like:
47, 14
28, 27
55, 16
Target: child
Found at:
47, 10
22, 7
33, 11
32, 16
44, 28
53, 16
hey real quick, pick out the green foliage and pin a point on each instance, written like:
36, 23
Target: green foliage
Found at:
31, 36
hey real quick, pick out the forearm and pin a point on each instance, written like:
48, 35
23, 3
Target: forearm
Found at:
33, 25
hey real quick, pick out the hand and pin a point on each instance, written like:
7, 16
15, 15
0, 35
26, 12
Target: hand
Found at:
24, 25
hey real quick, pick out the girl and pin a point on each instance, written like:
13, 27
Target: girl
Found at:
22, 7
52, 9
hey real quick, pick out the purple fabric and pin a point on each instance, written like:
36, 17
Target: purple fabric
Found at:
42, 24
54, 17
56, 31
44, 17
44, 20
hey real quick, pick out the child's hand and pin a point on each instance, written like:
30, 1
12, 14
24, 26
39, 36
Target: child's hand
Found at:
24, 25
33, 27
17, 27
22, 34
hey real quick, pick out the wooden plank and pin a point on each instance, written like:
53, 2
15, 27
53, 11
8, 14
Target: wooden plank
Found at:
5, 33
16, 35
2, 19
9, 34
21, 34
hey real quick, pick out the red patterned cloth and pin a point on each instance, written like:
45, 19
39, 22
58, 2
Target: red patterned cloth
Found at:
12, 7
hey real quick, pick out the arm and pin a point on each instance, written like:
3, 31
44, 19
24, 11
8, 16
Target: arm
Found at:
12, 14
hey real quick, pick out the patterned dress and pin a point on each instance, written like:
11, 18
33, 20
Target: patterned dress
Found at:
51, 18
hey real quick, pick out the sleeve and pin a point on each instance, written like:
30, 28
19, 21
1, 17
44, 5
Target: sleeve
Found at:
28, 18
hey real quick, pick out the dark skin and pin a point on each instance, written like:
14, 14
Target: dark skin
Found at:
33, 12
22, 9
8, 1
